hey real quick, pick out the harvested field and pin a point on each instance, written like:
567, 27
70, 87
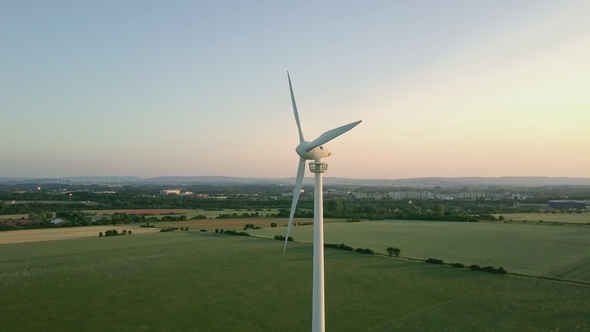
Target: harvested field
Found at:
238, 224
51, 234
235, 224
142, 211
226, 224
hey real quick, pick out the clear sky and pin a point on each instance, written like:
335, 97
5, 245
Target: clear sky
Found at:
157, 88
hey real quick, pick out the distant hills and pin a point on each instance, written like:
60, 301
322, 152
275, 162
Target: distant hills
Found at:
527, 181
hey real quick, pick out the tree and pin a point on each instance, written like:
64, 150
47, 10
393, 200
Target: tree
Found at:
501, 218
440, 209
392, 250
333, 206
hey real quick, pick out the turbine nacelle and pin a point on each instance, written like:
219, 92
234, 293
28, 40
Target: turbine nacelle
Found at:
316, 154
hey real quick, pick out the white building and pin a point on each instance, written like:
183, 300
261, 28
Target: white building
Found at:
170, 192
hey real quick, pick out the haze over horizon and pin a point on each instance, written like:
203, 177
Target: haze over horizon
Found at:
444, 89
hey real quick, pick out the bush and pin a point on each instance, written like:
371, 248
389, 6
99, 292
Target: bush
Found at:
435, 261
216, 230
365, 251
458, 265
129, 232
111, 233
392, 250
491, 269
282, 238
100, 234
340, 246
169, 229
273, 224
237, 233
203, 230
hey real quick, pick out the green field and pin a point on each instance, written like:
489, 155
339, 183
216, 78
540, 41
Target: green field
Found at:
193, 281
528, 249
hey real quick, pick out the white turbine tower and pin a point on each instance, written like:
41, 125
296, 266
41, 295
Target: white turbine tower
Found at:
315, 151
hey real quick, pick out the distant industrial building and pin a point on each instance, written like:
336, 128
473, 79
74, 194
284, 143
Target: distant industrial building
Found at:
567, 204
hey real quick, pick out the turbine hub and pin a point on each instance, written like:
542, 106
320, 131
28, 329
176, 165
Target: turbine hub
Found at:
316, 154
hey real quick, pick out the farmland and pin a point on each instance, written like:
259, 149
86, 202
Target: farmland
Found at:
212, 282
520, 248
237, 224
36, 235
566, 218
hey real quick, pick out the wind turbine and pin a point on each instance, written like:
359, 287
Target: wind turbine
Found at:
315, 151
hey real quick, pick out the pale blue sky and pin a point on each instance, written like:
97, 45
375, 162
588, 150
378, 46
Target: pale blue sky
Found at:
153, 88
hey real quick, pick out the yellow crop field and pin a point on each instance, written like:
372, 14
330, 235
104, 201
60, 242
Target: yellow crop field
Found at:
51, 234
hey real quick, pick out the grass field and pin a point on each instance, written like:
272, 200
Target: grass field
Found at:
520, 248
193, 281
583, 218
13, 216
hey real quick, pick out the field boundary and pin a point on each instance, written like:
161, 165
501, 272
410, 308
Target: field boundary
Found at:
419, 260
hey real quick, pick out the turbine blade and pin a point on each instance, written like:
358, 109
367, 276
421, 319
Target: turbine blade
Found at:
301, 139
330, 135
296, 192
